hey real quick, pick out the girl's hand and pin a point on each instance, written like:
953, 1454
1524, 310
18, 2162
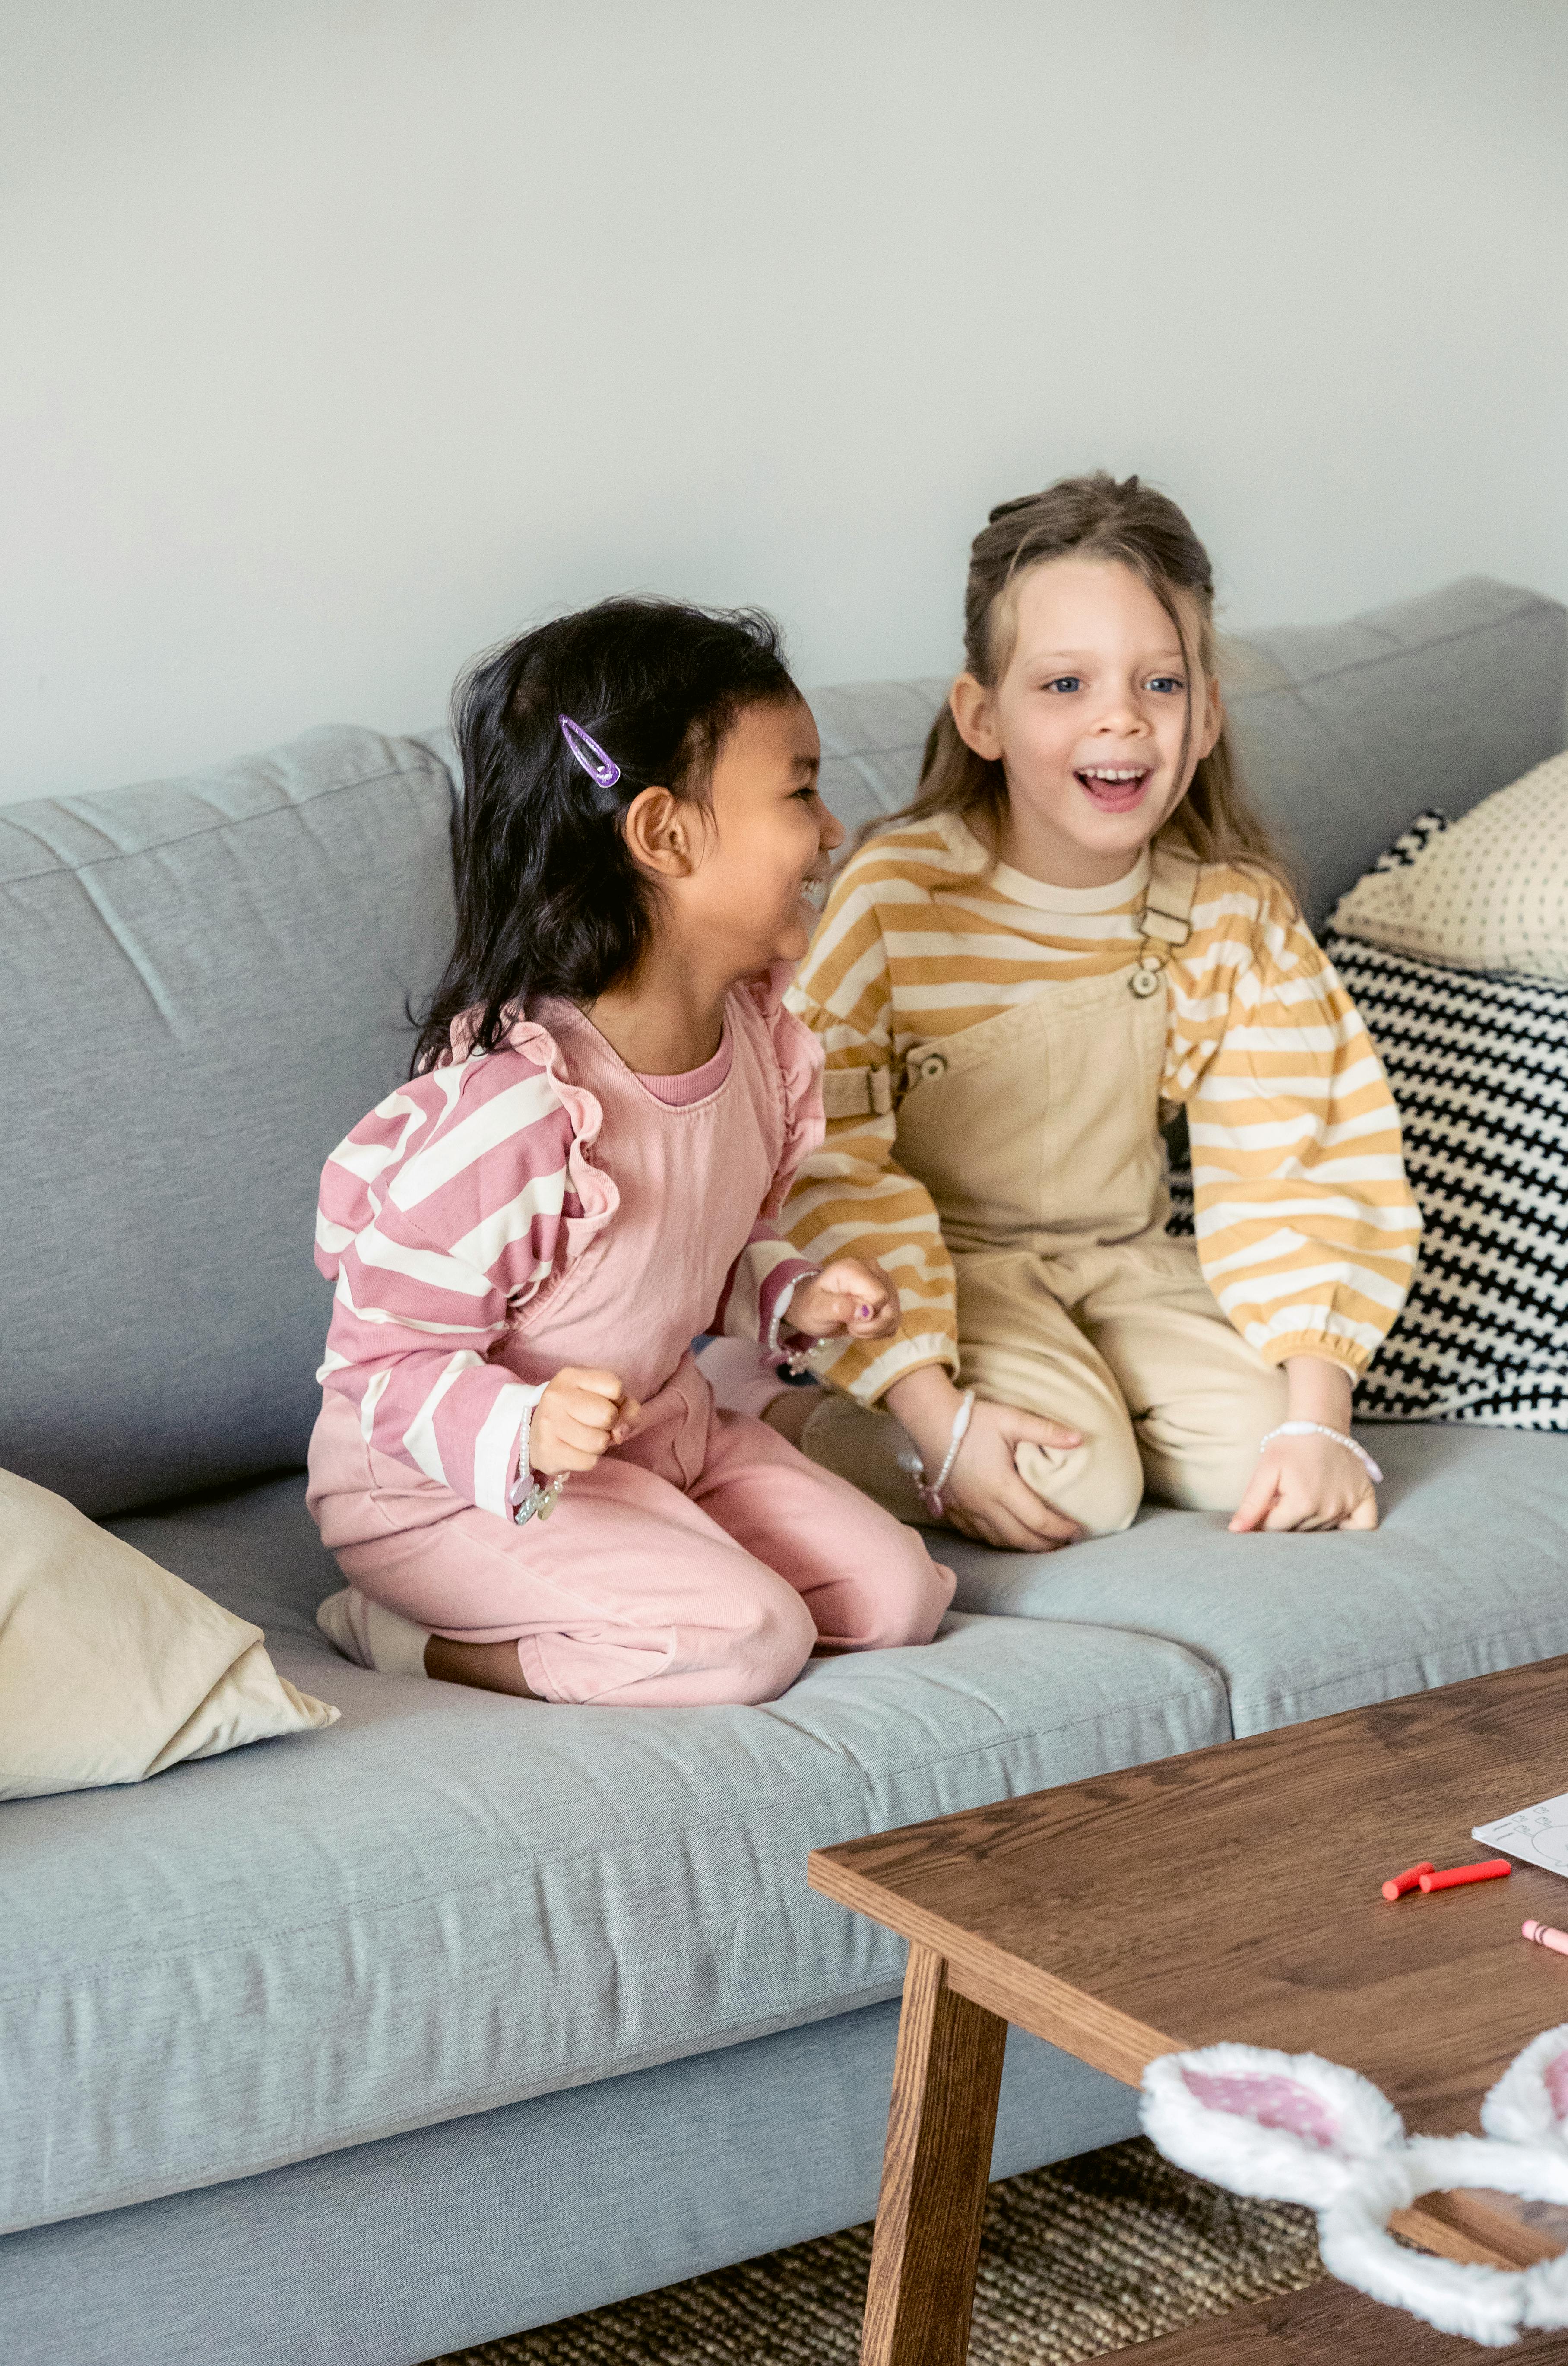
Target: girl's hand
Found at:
580, 1414
1306, 1482
846, 1296
984, 1496
1310, 1482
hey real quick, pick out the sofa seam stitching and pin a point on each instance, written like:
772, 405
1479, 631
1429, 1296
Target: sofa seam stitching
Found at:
1506, 1636
59, 868
1388, 656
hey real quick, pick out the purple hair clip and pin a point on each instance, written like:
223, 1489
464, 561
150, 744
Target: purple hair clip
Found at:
601, 769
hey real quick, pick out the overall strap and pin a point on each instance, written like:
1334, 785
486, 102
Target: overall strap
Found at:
857, 1092
1165, 921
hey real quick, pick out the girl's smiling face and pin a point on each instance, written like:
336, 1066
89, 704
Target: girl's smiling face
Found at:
1088, 720
752, 893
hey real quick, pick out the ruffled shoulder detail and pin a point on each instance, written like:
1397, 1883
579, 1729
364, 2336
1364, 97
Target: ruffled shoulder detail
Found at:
796, 1054
597, 1195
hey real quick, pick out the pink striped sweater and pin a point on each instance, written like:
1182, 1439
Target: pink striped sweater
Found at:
453, 1217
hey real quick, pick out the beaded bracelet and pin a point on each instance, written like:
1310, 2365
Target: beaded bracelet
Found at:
795, 1361
792, 1360
1321, 1429
929, 1495
533, 1497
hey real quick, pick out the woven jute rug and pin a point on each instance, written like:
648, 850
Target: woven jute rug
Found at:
1091, 2256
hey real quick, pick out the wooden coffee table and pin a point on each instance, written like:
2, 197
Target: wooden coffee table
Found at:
1230, 1893
1328, 2324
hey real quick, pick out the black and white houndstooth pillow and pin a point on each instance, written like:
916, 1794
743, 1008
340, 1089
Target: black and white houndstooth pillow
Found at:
1478, 1065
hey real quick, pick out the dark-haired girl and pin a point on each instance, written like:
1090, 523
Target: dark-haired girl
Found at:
520, 1471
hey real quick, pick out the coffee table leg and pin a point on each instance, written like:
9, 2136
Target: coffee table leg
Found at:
934, 2172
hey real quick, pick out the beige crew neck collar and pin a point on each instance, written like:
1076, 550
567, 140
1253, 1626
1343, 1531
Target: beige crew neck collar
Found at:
1042, 897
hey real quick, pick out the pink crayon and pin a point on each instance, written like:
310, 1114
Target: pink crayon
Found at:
1545, 1936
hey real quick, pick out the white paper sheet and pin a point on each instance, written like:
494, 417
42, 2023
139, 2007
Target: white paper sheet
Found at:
1539, 1835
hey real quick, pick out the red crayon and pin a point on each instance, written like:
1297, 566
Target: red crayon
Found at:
1496, 1868
1407, 1880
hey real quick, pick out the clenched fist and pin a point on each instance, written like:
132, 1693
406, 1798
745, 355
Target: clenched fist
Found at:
847, 1296
580, 1414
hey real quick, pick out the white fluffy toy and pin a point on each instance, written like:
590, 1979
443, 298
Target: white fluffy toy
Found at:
1290, 2127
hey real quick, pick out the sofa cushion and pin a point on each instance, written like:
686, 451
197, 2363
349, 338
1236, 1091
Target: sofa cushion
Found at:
457, 1899
1345, 731
1478, 1067
112, 1669
204, 985
1468, 1573
1488, 893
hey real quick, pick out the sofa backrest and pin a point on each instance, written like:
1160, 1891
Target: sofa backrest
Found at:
203, 983
1345, 731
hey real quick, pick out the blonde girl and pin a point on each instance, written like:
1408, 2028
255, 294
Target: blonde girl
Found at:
1078, 927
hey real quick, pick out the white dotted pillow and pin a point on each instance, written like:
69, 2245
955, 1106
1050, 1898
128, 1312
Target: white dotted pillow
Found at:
1491, 892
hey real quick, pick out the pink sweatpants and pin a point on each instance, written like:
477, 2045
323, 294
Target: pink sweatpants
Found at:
705, 1560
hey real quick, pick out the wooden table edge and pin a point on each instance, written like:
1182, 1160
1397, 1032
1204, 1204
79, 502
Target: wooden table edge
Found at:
1456, 2226
1036, 2000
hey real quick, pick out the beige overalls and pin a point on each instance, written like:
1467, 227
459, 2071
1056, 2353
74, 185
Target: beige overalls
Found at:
1037, 1135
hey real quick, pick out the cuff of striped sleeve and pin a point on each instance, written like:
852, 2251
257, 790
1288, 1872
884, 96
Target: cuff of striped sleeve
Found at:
867, 1369
782, 1338
1349, 1354
765, 1272
502, 1447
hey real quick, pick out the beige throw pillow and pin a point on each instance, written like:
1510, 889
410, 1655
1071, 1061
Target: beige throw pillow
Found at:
1490, 893
111, 1669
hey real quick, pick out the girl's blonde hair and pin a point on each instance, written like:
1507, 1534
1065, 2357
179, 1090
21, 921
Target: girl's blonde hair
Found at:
1091, 517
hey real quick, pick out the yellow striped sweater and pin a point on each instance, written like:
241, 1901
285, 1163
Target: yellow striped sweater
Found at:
1307, 1230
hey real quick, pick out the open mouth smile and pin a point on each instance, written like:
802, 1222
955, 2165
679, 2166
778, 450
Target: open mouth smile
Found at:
1114, 788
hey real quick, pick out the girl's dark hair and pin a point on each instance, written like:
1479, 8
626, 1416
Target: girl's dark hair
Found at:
1130, 523
550, 900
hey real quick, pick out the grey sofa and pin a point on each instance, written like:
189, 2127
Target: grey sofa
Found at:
470, 2013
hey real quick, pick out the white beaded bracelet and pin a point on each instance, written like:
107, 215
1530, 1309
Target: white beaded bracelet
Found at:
931, 1495
1321, 1429
791, 1359
533, 1497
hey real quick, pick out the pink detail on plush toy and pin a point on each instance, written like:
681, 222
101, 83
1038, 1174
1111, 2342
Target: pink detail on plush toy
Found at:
1276, 2103
1554, 2079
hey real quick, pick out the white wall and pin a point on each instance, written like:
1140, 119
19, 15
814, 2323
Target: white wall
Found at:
343, 336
